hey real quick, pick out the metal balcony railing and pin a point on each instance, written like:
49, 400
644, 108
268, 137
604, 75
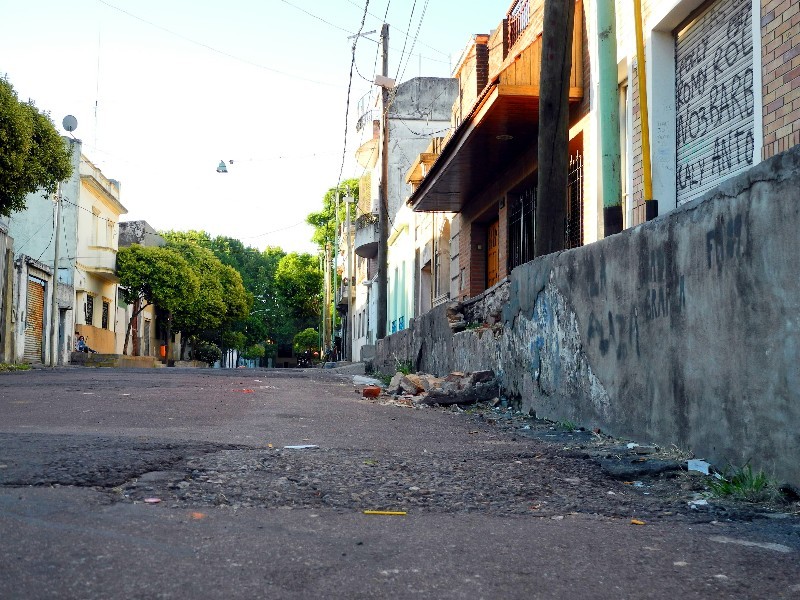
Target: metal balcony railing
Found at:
523, 14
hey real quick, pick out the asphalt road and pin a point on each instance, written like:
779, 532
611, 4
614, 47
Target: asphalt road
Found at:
491, 513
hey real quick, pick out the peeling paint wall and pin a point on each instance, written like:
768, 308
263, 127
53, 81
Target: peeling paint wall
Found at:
684, 330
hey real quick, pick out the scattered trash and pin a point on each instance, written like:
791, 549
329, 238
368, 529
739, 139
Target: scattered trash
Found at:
638, 484
152, 500
698, 465
244, 391
361, 380
527, 427
632, 445
371, 391
473, 432
388, 513
557, 518
301, 447
680, 563
637, 522
695, 503
269, 445
198, 515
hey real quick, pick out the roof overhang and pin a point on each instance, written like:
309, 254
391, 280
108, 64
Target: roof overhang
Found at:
502, 127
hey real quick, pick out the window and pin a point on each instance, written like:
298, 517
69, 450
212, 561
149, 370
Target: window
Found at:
89, 310
104, 322
97, 227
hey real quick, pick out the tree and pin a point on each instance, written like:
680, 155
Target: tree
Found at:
222, 300
299, 284
324, 221
306, 341
32, 154
153, 275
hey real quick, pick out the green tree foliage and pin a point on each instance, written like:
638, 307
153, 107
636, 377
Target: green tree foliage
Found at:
254, 352
152, 275
32, 154
299, 284
324, 221
221, 302
306, 341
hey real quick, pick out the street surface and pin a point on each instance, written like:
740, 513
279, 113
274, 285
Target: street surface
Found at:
176, 483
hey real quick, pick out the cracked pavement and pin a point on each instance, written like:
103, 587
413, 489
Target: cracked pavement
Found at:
497, 506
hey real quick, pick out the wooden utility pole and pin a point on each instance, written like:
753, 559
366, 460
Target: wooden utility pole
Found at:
383, 209
326, 322
551, 197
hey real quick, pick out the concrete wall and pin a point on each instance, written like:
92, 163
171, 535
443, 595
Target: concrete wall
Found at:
684, 330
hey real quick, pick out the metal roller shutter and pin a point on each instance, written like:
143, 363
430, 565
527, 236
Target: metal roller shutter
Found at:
714, 97
34, 320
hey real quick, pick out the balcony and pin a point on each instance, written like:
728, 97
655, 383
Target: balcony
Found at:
366, 242
501, 127
101, 262
341, 294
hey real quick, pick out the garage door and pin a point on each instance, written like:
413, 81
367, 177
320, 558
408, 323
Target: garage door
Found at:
34, 320
714, 96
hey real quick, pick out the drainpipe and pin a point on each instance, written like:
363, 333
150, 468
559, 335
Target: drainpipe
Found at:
651, 205
609, 118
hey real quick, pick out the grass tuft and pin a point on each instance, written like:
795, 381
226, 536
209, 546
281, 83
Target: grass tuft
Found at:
745, 484
7, 367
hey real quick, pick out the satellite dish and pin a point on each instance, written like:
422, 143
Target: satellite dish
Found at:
70, 123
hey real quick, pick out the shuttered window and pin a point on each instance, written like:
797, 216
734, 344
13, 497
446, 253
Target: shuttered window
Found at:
714, 97
34, 320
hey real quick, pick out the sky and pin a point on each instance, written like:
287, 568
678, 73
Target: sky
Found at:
165, 90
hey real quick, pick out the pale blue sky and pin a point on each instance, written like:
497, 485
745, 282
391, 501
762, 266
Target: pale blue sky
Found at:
262, 83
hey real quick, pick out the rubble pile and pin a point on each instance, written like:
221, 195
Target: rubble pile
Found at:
455, 388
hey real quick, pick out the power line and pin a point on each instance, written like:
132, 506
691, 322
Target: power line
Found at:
349, 88
403, 51
212, 49
405, 33
416, 36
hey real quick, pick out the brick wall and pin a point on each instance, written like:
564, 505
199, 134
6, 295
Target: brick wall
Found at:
780, 54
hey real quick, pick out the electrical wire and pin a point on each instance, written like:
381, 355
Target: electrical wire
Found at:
416, 36
349, 88
216, 50
403, 51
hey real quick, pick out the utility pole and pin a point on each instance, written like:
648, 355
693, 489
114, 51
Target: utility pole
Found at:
54, 303
326, 322
348, 342
551, 194
383, 209
335, 267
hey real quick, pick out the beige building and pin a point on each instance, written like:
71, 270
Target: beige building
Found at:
96, 297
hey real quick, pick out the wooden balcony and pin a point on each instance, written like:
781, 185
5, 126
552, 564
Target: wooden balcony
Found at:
502, 126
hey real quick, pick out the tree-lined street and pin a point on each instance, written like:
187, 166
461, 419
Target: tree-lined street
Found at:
493, 509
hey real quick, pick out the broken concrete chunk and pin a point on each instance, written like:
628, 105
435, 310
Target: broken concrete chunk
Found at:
394, 384
412, 384
480, 377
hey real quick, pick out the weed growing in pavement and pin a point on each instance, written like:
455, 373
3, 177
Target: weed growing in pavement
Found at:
384, 378
406, 367
6, 367
567, 426
745, 484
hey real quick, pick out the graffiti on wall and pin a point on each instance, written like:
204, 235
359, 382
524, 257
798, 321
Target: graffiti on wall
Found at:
714, 97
